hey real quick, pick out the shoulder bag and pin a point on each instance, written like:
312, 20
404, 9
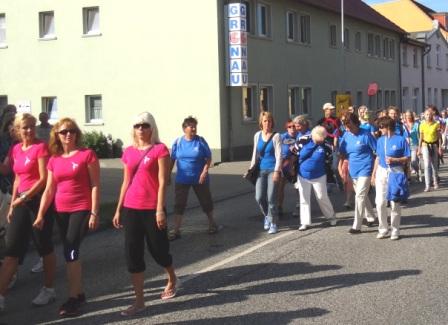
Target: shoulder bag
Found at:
252, 173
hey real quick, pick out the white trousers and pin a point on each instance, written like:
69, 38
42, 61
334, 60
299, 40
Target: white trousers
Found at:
319, 186
381, 204
363, 207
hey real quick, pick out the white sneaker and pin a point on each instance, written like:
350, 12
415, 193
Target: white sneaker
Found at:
2, 303
38, 267
45, 296
382, 235
303, 227
394, 237
333, 222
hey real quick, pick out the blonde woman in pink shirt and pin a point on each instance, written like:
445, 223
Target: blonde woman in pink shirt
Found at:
28, 160
141, 208
74, 185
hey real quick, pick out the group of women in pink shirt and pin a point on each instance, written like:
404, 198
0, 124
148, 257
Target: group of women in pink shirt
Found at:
61, 182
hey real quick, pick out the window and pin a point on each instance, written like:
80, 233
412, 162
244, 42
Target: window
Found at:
405, 55
333, 96
333, 36
387, 98
405, 97
305, 29
415, 99
50, 106
393, 98
263, 20
3, 102
392, 49
94, 109
249, 19
428, 100
446, 61
359, 98
91, 20
46, 25
372, 102
305, 94
377, 45
436, 97
248, 103
438, 56
265, 99
291, 26
2, 30
293, 101
428, 60
358, 42
415, 57
370, 45
386, 48
346, 39
379, 99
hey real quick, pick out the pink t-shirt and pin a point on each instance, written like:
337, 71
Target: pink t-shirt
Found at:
73, 188
144, 186
25, 163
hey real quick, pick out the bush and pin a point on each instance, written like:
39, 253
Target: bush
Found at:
104, 146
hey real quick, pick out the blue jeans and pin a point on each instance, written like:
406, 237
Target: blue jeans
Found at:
266, 194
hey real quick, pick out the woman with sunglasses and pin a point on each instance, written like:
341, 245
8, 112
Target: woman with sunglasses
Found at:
74, 185
393, 154
142, 199
28, 159
358, 146
192, 157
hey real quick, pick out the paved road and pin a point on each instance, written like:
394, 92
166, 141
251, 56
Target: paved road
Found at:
243, 275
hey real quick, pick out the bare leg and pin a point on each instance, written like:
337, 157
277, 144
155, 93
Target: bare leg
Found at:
74, 275
177, 223
49, 269
172, 279
137, 280
7, 270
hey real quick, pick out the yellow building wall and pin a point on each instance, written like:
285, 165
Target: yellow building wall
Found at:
156, 56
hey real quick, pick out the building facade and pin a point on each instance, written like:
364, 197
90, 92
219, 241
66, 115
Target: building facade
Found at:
91, 61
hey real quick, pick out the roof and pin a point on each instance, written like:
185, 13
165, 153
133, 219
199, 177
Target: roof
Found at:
356, 9
429, 12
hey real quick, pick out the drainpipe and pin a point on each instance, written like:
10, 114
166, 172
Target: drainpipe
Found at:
425, 52
400, 91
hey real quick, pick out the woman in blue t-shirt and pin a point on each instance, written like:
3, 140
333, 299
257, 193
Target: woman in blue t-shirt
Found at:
392, 155
288, 140
270, 163
314, 158
192, 157
358, 146
413, 127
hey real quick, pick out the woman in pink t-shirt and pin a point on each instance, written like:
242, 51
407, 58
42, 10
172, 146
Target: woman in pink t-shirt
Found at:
74, 185
28, 160
142, 198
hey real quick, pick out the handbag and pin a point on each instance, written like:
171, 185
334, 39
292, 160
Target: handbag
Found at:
252, 173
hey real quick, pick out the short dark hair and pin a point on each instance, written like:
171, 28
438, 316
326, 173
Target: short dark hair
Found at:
350, 117
385, 122
188, 121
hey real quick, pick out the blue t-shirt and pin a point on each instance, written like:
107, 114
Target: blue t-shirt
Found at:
312, 161
368, 127
396, 147
302, 134
267, 161
359, 149
402, 130
414, 134
191, 157
287, 141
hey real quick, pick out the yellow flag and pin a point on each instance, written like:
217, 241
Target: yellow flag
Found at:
343, 102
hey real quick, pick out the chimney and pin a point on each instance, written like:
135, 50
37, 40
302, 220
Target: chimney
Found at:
442, 18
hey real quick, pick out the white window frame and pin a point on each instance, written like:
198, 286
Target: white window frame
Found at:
358, 42
3, 43
333, 36
50, 106
304, 24
88, 26
47, 31
267, 20
253, 104
270, 97
88, 109
291, 26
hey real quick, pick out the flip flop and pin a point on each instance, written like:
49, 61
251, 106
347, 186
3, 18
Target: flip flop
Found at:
132, 311
214, 229
171, 293
172, 235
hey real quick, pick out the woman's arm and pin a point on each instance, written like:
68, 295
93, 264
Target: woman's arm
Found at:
46, 200
164, 164
5, 167
375, 167
278, 156
15, 185
40, 184
94, 175
254, 150
203, 176
124, 186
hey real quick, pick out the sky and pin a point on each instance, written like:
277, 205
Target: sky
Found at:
436, 5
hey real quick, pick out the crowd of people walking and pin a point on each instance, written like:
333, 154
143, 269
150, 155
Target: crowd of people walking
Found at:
52, 178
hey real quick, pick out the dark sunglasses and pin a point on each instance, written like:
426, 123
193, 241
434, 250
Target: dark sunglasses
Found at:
64, 132
142, 125
290, 126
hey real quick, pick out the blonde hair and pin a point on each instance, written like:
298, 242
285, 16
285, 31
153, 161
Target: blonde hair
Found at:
268, 115
318, 134
22, 117
54, 144
146, 117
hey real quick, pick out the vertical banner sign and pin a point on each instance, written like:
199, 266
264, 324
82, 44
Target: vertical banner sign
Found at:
237, 45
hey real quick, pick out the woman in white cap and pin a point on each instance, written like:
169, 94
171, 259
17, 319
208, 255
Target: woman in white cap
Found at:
141, 208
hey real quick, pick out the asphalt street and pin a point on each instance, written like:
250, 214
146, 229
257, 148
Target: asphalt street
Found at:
242, 275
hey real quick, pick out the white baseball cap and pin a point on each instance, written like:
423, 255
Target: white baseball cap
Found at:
328, 106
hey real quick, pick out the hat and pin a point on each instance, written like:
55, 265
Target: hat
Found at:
142, 118
328, 106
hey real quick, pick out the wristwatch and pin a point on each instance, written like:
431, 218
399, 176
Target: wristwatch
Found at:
23, 196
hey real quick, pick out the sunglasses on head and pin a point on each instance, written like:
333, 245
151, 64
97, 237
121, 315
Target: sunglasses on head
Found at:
64, 132
142, 125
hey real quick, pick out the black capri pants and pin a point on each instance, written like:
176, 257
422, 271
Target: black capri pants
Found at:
140, 225
21, 229
72, 226
202, 192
